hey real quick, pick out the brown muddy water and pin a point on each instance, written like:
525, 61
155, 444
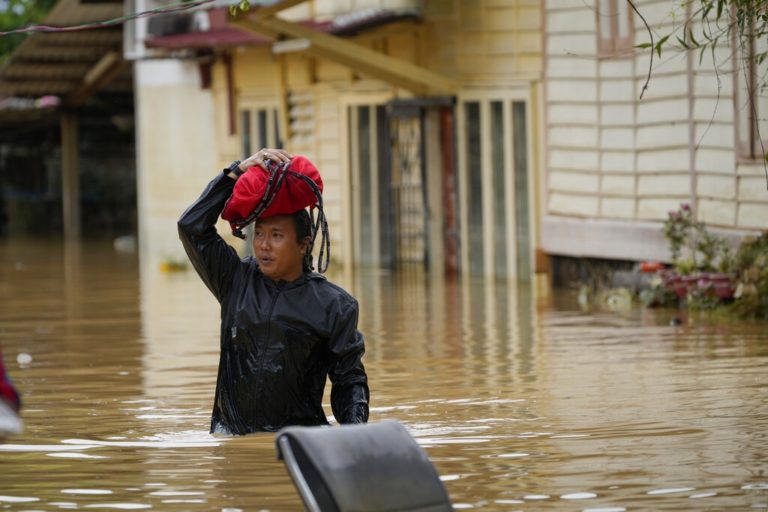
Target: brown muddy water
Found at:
522, 400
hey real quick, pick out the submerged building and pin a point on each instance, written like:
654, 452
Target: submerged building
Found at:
422, 117
480, 137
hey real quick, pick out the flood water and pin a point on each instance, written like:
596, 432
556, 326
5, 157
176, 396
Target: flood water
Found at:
522, 400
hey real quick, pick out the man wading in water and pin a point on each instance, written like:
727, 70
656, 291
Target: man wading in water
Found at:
284, 328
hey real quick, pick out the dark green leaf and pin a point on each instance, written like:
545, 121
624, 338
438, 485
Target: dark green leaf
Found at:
693, 39
643, 46
660, 44
683, 43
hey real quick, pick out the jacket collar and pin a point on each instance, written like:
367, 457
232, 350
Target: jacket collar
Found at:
304, 278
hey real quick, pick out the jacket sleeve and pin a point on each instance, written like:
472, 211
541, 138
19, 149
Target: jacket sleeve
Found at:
349, 390
214, 260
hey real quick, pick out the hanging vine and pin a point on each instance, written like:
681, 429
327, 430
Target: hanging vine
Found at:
741, 25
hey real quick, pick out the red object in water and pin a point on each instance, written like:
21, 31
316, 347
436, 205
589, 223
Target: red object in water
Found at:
293, 195
7, 391
651, 266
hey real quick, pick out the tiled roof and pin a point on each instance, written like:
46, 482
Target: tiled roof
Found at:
57, 63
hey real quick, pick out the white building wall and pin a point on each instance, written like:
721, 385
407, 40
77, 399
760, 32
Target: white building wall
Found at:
173, 164
613, 157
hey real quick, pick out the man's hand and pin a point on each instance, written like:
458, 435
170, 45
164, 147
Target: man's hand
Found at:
276, 155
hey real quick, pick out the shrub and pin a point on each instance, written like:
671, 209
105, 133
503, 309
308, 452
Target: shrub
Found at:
751, 266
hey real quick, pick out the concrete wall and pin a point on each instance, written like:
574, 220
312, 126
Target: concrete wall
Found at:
176, 150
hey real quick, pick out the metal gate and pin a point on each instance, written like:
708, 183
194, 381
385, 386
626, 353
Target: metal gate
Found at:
405, 213
408, 187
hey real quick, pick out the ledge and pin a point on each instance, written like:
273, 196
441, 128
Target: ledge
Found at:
613, 239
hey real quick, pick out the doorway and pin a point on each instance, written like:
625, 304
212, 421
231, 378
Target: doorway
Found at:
403, 184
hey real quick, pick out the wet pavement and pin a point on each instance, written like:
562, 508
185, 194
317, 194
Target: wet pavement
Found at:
522, 400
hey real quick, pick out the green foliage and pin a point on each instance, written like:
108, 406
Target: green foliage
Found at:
692, 247
741, 280
677, 229
243, 6
719, 21
657, 295
712, 23
15, 14
751, 264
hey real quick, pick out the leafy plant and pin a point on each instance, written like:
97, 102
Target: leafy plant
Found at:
693, 247
738, 24
15, 14
710, 247
715, 22
677, 229
658, 294
751, 264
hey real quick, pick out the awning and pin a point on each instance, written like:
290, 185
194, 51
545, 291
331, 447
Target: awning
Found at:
223, 34
220, 35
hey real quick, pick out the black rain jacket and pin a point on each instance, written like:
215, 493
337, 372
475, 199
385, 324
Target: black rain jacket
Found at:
279, 340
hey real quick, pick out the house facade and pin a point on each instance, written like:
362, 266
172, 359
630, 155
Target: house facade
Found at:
479, 137
616, 163
423, 118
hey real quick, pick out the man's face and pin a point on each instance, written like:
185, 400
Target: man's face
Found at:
276, 249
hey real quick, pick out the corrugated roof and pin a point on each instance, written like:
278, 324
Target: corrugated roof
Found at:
57, 63
220, 34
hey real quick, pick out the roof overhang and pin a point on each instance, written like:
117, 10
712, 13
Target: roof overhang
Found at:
221, 34
261, 26
71, 66
419, 80
400, 73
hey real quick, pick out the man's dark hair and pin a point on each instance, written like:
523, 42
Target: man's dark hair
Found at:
303, 225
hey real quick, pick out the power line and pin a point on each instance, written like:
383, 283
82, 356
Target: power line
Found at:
106, 23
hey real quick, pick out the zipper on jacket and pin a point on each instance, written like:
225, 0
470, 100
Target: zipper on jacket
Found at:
263, 355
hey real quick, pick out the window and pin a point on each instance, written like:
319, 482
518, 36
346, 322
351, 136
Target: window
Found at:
615, 28
380, 217
494, 185
258, 129
475, 187
364, 161
751, 102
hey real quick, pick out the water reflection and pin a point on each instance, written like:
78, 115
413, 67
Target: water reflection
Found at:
520, 399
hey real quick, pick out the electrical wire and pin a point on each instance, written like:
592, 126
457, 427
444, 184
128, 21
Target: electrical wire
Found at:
107, 23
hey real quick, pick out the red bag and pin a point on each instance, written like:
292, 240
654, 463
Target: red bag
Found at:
7, 391
280, 190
